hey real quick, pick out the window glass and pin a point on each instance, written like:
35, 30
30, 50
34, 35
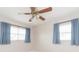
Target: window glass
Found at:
65, 31
17, 33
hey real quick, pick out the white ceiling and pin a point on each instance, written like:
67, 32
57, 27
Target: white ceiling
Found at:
13, 13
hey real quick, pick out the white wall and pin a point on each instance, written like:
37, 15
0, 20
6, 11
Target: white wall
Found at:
43, 37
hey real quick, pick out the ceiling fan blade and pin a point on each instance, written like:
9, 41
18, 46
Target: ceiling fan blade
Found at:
45, 10
32, 9
25, 13
31, 18
42, 18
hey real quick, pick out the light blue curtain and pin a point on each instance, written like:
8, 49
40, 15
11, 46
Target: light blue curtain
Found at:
27, 35
4, 33
75, 32
56, 34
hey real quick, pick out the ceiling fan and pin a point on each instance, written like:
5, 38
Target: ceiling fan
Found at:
35, 12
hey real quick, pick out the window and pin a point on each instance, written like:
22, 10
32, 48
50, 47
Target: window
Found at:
17, 33
65, 31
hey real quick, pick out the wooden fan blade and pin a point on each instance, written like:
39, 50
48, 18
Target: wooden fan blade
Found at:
32, 9
45, 10
31, 18
42, 18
